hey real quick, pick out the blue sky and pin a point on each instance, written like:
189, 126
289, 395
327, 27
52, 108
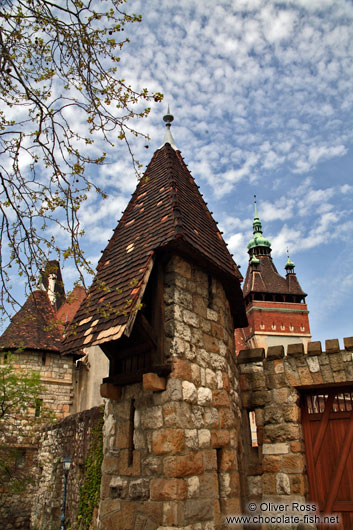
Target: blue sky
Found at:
261, 92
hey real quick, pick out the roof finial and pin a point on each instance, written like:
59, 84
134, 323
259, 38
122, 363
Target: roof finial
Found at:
256, 216
168, 138
289, 266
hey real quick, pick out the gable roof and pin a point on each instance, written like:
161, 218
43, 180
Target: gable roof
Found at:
165, 212
33, 326
264, 278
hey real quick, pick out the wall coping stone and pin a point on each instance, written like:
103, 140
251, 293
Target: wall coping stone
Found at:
295, 349
275, 352
314, 348
252, 355
348, 343
332, 346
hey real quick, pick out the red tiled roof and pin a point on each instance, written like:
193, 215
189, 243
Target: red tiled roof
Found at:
33, 327
265, 279
166, 210
69, 308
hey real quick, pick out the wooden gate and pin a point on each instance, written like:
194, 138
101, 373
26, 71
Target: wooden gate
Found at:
328, 434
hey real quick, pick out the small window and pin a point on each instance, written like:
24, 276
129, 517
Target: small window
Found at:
253, 429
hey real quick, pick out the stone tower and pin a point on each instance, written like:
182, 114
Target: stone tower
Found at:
163, 308
275, 306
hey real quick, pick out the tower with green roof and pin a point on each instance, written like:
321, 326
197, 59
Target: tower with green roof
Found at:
275, 305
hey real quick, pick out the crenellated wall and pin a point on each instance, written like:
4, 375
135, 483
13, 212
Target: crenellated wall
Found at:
272, 388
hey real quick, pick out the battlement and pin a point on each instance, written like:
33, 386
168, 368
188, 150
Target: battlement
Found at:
278, 352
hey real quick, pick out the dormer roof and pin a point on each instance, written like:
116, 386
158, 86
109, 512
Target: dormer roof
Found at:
166, 213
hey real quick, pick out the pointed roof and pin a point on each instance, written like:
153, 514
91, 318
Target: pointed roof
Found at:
166, 213
33, 326
262, 275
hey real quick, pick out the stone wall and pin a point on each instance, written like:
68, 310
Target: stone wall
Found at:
73, 437
57, 394
182, 469
271, 388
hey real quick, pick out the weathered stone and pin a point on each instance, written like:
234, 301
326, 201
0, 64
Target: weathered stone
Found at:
118, 488
204, 437
221, 398
177, 414
152, 418
314, 348
109, 391
313, 363
139, 489
198, 510
168, 441
153, 382
332, 346
275, 448
168, 489
275, 352
219, 438
193, 486
348, 343
210, 343
204, 396
181, 369
211, 418
227, 419
191, 439
173, 514
282, 484
293, 463
189, 392
183, 466
152, 465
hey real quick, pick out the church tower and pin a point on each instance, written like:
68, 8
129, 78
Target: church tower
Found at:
275, 305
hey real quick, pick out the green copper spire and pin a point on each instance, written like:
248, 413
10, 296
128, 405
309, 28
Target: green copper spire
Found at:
289, 266
258, 242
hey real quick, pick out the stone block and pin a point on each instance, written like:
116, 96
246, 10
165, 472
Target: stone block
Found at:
139, 489
295, 349
168, 489
271, 464
314, 348
281, 433
211, 418
189, 392
198, 510
210, 343
305, 375
268, 484
204, 438
152, 465
173, 514
228, 460
118, 488
191, 439
204, 396
122, 439
193, 486
313, 364
109, 391
275, 352
226, 418
348, 343
220, 438
183, 466
153, 382
249, 356
152, 418
332, 346
181, 369
275, 448
292, 463
177, 414
282, 484
168, 441
212, 315
126, 469
209, 459
221, 398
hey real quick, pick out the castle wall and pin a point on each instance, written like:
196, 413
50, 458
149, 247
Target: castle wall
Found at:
171, 453
57, 394
272, 388
78, 437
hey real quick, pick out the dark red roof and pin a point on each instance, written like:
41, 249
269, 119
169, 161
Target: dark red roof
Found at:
166, 211
264, 278
33, 327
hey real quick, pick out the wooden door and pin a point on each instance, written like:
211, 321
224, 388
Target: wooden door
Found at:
328, 434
